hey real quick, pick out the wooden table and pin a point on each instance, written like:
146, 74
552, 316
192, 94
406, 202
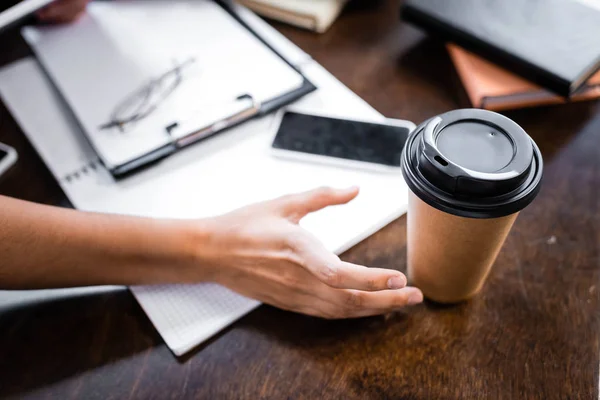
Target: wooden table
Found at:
532, 333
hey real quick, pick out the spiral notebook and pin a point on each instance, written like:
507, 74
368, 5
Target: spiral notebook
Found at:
190, 184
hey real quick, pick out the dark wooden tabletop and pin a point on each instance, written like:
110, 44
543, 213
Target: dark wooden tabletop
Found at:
533, 333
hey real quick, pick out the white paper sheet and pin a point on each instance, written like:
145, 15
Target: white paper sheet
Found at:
118, 47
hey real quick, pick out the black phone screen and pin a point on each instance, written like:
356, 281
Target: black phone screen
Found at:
350, 140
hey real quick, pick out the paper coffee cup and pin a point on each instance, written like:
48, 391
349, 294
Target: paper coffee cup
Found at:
470, 172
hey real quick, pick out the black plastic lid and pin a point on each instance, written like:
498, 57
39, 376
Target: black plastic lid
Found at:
472, 163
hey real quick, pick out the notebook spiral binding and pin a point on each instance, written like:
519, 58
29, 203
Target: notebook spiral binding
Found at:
87, 169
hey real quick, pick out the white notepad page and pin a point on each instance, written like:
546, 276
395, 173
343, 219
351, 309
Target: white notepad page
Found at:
191, 185
117, 47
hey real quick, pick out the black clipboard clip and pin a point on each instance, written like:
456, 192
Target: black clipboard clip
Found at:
197, 126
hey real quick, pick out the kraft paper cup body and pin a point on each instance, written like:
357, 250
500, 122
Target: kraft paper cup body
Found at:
470, 173
450, 257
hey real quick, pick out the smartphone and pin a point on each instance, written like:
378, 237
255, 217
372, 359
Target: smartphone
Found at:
353, 143
8, 156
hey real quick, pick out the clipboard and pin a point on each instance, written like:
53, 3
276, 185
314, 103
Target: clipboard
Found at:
179, 133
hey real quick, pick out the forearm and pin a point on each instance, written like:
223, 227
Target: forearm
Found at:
44, 247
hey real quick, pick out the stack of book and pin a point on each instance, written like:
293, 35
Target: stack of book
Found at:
518, 53
494, 88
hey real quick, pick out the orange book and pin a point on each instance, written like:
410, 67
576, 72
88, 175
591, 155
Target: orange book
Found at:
494, 88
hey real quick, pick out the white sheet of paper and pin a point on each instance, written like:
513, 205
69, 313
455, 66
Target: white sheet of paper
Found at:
230, 170
117, 47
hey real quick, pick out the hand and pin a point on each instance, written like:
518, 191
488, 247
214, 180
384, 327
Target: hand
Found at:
261, 252
62, 11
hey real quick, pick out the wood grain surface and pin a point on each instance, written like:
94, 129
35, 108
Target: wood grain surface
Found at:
532, 333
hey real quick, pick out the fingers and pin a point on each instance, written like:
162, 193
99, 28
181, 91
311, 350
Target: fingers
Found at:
344, 275
355, 303
335, 273
62, 11
350, 290
325, 302
288, 285
296, 206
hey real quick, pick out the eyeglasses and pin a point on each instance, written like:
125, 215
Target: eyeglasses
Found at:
147, 99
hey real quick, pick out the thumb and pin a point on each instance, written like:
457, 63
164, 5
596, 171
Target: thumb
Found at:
297, 206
